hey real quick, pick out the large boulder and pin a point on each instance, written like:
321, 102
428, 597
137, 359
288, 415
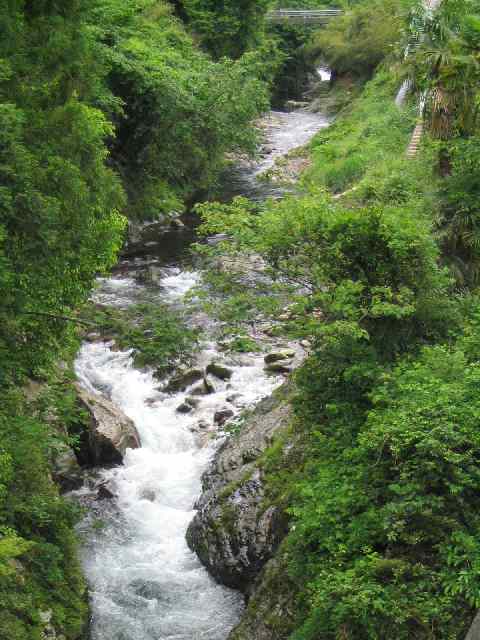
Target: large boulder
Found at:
235, 531
278, 356
219, 371
183, 380
110, 431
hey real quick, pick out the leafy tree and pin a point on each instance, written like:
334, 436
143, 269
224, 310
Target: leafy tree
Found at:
227, 28
389, 523
60, 224
39, 568
446, 68
59, 202
359, 40
180, 112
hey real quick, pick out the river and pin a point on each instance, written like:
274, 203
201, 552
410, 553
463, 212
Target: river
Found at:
145, 584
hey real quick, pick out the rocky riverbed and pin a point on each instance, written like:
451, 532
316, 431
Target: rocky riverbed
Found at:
156, 439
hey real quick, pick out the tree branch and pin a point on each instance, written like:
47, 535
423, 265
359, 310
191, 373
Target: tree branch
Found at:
57, 317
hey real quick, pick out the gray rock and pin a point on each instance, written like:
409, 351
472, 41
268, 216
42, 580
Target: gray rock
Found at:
234, 531
241, 360
270, 612
182, 381
49, 632
284, 366
110, 431
148, 494
210, 384
222, 416
277, 356
176, 223
155, 399
184, 408
151, 590
219, 371
94, 336
206, 387
188, 405
104, 492
293, 105
474, 632
237, 400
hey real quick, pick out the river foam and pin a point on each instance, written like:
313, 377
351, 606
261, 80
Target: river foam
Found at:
145, 582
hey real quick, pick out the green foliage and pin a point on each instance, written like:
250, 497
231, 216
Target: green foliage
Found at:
445, 65
86, 86
371, 266
39, 569
368, 135
388, 526
59, 202
383, 490
459, 222
181, 112
297, 61
366, 34
227, 28
243, 344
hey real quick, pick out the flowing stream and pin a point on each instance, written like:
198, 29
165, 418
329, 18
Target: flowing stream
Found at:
145, 583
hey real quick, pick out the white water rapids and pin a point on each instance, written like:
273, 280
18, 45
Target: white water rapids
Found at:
145, 583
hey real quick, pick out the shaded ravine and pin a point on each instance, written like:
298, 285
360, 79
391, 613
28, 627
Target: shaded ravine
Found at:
145, 584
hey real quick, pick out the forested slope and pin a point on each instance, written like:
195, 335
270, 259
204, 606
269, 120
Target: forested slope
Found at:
379, 475
112, 109
107, 109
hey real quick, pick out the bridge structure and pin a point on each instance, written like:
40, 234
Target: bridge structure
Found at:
299, 16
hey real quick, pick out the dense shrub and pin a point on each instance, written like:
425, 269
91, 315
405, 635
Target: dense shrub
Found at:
96, 99
39, 568
389, 523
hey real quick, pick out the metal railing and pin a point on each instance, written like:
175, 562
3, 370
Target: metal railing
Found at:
320, 16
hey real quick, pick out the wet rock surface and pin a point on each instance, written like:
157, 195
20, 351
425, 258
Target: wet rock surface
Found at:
271, 611
184, 380
235, 531
222, 416
110, 431
219, 371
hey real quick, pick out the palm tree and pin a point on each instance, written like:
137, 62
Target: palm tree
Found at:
447, 67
